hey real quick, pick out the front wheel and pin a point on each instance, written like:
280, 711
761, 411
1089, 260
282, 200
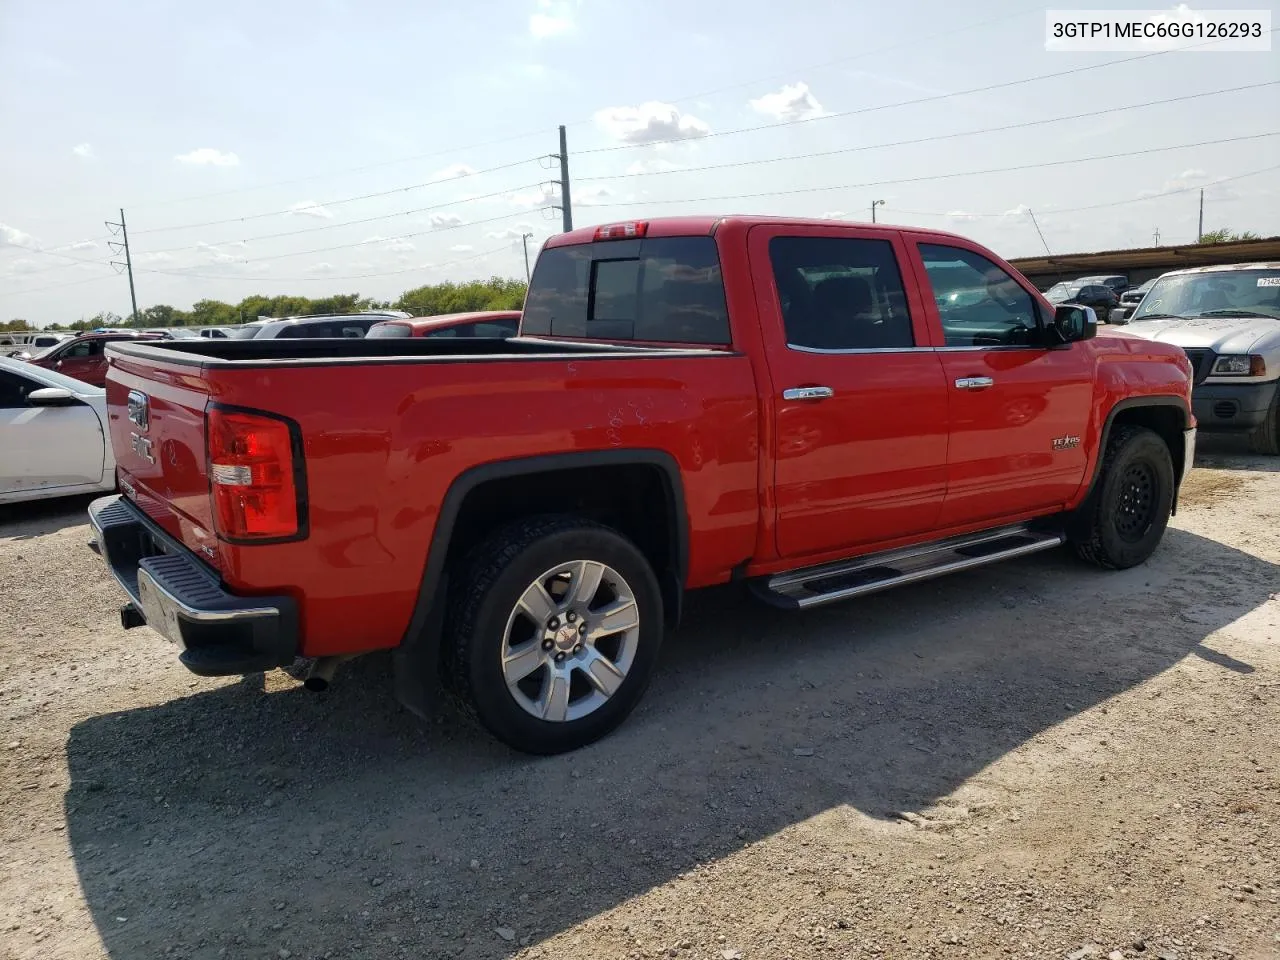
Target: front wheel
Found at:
1265, 437
1127, 515
553, 633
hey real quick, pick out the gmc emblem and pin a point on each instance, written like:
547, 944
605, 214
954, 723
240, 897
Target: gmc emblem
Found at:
139, 410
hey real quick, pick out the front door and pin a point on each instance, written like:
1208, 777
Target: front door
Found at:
84, 361
45, 447
860, 438
1019, 409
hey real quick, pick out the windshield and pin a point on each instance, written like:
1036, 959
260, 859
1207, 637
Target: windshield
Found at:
1062, 291
1217, 293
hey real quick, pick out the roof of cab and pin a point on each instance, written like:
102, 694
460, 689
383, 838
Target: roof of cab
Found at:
1222, 268
705, 226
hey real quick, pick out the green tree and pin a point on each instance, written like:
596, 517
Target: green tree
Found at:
1224, 235
16, 326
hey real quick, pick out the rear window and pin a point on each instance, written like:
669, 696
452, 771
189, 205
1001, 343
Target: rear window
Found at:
382, 331
661, 289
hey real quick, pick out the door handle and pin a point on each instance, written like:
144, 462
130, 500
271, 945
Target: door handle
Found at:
974, 383
807, 393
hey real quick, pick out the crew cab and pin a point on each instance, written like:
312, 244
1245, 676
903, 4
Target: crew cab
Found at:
480, 323
797, 404
1227, 319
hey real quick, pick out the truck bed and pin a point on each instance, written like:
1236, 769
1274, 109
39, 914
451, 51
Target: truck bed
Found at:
242, 353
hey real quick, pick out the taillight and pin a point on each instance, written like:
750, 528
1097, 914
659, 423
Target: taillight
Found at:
622, 231
253, 476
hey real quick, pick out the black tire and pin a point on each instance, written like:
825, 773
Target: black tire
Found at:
1127, 515
1265, 437
491, 580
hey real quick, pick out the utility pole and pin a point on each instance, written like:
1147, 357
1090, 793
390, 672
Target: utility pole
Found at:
1200, 228
1157, 237
128, 261
524, 241
566, 206
874, 204
1035, 223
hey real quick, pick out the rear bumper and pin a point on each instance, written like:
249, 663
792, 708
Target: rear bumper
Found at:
1221, 407
219, 633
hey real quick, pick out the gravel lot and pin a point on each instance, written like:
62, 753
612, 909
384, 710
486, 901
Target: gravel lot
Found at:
1035, 760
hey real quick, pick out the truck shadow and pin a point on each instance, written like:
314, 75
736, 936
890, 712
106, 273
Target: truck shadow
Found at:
36, 518
254, 822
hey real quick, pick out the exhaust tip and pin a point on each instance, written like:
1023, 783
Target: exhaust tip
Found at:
316, 684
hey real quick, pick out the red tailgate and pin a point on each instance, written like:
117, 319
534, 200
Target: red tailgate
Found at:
157, 418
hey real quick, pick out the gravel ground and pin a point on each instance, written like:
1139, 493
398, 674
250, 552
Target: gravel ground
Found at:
1035, 760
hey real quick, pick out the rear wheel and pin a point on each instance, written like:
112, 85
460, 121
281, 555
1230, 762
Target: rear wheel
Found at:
554, 633
1128, 513
1265, 437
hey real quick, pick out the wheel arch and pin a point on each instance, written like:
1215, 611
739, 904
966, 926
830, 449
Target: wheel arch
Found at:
1166, 416
558, 483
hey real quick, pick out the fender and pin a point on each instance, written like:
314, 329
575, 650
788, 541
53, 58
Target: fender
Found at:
1129, 403
416, 659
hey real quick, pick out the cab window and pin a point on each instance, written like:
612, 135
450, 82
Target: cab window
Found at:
979, 303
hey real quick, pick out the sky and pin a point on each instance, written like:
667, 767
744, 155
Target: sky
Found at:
331, 146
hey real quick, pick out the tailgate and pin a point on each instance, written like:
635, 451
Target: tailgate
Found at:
156, 412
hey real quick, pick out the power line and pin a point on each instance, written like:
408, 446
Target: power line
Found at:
335, 203
59, 286
940, 176
62, 246
1054, 211
352, 223
930, 139
932, 98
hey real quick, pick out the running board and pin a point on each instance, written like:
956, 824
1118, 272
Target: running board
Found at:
813, 586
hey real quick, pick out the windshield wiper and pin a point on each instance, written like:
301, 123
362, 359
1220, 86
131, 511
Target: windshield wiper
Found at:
1239, 313
1158, 316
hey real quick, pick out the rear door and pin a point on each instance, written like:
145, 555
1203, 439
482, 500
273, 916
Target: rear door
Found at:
1018, 409
859, 396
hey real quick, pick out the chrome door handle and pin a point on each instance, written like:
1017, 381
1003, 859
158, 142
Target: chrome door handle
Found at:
807, 393
974, 383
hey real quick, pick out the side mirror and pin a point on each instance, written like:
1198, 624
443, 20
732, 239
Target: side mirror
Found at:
51, 397
1120, 316
1072, 323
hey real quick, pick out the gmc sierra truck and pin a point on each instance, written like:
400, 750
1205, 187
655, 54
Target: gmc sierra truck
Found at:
822, 410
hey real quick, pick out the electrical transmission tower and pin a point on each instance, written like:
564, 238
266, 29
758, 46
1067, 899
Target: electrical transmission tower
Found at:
128, 261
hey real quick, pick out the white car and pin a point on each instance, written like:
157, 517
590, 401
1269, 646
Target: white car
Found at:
1227, 319
53, 435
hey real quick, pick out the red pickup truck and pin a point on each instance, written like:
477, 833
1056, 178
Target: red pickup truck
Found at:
822, 410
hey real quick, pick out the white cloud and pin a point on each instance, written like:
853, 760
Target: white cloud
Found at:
651, 121
511, 233
652, 165
207, 156
793, 102
552, 18
84, 245
453, 172
961, 216
834, 215
13, 237
23, 265
440, 221
1021, 210
591, 196
84, 151
151, 259
540, 196
309, 208
400, 246
376, 238
461, 248
317, 269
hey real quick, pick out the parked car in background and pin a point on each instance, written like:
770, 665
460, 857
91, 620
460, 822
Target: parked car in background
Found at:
53, 435
1227, 320
489, 324
27, 345
1133, 296
798, 404
319, 327
215, 333
81, 358
1096, 295
1116, 282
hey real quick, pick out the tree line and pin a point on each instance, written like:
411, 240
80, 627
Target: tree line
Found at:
496, 293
